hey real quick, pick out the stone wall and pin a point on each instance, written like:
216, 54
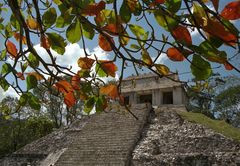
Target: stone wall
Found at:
150, 84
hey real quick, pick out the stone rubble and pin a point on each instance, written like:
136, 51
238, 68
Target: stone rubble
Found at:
170, 140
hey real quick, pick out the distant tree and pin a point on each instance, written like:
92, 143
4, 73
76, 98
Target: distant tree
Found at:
217, 98
20, 125
227, 105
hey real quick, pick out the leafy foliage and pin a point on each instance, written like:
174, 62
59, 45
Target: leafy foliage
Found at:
20, 125
125, 29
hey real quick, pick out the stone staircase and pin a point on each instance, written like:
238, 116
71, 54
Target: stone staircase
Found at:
101, 139
108, 139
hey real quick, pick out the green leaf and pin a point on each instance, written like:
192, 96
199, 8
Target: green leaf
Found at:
57, 2
60, 22
73, 32
200, 68
173, 5
100, 101
3, 54
65, 18
49, 17
138, 9
14, 23
24, 66
100, 71
199, 14
164, 20
137, 30
33, 61
86, 87
6, 68
84, 73
4, 84
88, 106
23, 99
88, 31
212, 54
34, 102
134, 46
31, 82
57, 42
230, 26
8, 30
125, 12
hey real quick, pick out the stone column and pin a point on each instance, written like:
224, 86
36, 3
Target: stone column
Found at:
177, 96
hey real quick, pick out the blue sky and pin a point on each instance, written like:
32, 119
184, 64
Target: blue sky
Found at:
74, 51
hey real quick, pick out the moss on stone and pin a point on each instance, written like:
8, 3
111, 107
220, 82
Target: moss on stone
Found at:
219, 126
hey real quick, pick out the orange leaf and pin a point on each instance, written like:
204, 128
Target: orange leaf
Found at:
174, 54
64, 86
182, 35
231, 11
85, 63
228, 66
20, 75
216, 29
69, 99
93, 9
18, 37
108, 67
12, 50
104, 43
32, 24
160, 1
75, 82
110, 91
215, 4
99, 18
132, 4
113, 29
44, 42
38, 76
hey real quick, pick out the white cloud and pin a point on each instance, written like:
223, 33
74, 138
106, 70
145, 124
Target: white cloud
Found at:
72, 53
10, 92
161, 59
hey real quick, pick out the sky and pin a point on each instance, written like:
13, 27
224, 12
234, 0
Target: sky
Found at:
74, 51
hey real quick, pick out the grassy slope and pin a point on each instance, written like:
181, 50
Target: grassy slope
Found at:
216, 125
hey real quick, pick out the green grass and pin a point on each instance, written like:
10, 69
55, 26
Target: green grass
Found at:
219, 126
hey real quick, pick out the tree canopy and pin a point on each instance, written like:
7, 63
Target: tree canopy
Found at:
125, 29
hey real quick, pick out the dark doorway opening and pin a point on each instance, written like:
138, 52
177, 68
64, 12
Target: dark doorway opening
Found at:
167, 97
145, 98
126, 100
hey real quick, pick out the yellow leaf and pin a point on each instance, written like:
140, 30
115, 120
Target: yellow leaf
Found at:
146, 58
162, 69
32, 24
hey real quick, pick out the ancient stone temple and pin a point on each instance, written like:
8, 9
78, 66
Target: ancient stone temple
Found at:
160, 136
151, 88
